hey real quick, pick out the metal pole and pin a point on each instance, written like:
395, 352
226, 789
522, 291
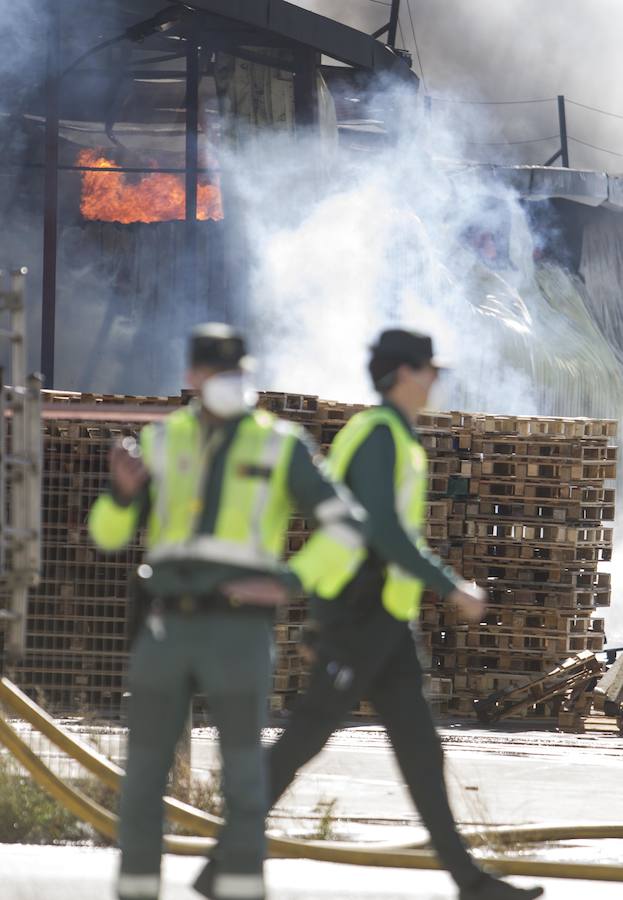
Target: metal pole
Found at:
306, 63
50, 202
393, 23
562, 119
34, 452
552, 159
192, 165
18, 515
23, 534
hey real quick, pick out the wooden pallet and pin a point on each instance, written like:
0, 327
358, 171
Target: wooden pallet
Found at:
531, 511
466, 509
543, 450
572, 674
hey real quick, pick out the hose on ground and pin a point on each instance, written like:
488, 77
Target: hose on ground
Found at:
410, 856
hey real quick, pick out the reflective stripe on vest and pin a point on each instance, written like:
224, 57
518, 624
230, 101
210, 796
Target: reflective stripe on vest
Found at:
254, 503
401, 592
205, 548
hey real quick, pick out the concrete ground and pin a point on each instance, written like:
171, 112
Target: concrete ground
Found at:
495, 777
501, 777
68, 873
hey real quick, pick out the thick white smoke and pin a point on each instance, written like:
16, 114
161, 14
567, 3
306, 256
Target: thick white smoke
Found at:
514, 50
341, 246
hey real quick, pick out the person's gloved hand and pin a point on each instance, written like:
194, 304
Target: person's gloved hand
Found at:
128, 473
470, 600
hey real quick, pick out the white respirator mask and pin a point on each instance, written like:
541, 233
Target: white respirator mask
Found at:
228, 395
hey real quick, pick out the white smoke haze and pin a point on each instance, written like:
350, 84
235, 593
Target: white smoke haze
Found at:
342, 247
514, 50
22, 45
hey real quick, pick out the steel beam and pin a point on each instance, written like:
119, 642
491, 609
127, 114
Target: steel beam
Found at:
192, 166
50, 202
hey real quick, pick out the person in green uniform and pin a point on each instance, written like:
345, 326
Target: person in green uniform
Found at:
362, 643
214, 484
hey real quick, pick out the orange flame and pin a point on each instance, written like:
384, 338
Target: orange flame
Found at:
161, 197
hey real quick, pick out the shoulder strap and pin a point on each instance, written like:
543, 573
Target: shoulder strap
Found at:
354, 433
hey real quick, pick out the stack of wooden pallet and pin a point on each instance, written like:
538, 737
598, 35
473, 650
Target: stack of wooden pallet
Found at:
322, 419
524, 506
563, 685
520, 505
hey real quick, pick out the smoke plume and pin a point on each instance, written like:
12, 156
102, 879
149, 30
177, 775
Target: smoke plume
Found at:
342, 246
515, 50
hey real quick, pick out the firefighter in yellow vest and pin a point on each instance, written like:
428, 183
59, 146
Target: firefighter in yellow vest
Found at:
362, 643
214, 484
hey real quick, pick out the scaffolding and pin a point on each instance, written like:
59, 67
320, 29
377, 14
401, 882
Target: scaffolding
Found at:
20, 469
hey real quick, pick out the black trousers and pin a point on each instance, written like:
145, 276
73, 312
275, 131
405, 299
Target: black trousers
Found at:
377, 659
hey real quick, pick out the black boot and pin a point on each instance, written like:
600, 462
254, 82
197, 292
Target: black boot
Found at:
205, 880
204, 883
489, 888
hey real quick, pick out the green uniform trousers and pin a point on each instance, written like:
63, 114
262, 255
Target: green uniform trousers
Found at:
227, 656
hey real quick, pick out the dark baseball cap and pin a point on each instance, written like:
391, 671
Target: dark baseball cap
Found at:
217, 344
406, 348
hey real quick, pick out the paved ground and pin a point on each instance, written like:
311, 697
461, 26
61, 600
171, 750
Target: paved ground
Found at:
494, 777
500, 777
63, 873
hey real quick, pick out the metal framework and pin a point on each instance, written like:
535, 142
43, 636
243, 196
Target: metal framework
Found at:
391, 28
184, 30
20, 471
563, 153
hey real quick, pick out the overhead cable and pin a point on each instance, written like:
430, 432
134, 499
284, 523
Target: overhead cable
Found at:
603, 112
593, 146
417, 50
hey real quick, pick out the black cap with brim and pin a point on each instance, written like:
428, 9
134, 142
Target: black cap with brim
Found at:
407, 348
219, 345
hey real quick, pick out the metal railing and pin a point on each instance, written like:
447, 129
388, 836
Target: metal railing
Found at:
20, 468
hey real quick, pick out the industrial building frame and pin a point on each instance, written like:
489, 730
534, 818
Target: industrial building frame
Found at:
185, 31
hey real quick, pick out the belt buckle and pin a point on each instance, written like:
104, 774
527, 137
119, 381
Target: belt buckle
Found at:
187, 604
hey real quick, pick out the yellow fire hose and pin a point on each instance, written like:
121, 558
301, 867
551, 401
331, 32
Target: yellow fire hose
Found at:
205, 825
188, 817
105, 823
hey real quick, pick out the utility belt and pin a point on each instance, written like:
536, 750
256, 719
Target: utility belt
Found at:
195, 604
190, 606
143, 606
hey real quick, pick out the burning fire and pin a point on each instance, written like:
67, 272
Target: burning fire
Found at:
160, 197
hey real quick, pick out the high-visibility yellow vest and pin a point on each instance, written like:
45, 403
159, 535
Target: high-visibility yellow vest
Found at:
254, 506
401, 592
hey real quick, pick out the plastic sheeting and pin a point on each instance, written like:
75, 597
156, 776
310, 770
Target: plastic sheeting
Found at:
523, 336
529, 338
602, 270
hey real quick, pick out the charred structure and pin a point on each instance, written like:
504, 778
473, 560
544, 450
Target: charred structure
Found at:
122, 121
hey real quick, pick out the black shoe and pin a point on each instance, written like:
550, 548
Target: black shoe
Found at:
205, 880
494, 889
204, 883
